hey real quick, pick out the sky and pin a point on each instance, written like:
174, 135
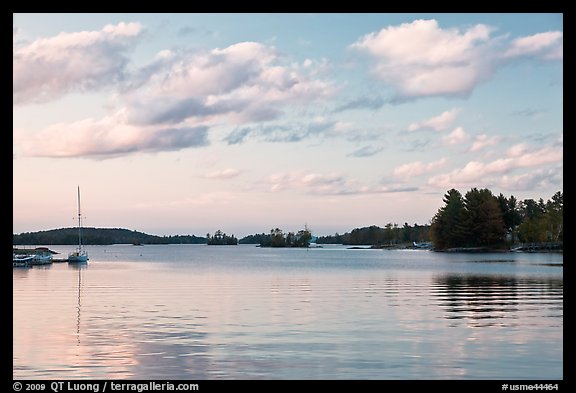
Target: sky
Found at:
191, 123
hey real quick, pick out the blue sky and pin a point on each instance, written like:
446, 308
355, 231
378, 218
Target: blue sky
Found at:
189, 123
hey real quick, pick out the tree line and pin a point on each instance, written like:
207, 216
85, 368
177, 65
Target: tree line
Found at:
481, 219
376, 236
100, 236
475, 219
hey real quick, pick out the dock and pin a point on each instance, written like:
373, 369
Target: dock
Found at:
539, 247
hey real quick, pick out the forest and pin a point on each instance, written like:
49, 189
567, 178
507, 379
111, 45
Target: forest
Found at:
100, 236
481, 219
377, 236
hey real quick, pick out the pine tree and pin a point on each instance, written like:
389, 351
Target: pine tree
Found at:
447, 227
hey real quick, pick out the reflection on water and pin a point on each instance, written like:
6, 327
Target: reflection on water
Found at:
245, 313
79, 268
504, 300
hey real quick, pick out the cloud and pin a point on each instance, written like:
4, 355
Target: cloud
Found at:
421, 59
108, 137
417, 168
311, 182
517, 157
548, 45
437, 123
171, 102
327, 184
482, 141
48, 68
535, 180
242, 83
227, 173
457, 136
282, 132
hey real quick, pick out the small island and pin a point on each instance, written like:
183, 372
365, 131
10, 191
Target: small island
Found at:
221, 239
277, 238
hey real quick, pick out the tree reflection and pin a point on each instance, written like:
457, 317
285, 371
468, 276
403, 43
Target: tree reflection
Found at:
495, 300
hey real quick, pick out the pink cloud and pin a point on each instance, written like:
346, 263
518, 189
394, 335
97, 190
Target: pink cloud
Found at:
109, 136
437, 123
482, 141
418, 168
48, 68
244, 82
227, 173
548, 45
457, 136
498, 171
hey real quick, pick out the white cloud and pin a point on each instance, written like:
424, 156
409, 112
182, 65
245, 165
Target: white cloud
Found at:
517, 150
238, 84
417, 168
534, 180
547, 45
457, 136
437, 123
476, 173
312, 182
482, 141
48, 68
109, 136
422, 59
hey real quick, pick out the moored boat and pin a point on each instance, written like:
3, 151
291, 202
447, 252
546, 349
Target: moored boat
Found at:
22, 259
42, 258
80, 255
34, 256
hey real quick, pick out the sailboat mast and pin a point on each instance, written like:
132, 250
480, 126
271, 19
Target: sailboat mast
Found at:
79, 223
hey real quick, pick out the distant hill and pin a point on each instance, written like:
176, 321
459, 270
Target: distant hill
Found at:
100, 236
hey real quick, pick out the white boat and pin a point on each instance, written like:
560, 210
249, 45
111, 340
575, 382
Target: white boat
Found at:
42, 258
36, 256
22, 259
423, 245
80, 255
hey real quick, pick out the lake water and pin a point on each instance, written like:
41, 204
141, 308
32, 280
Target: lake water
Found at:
243, 312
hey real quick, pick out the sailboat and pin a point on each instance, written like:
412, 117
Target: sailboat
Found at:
80, 255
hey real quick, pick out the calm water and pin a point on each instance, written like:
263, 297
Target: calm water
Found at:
225, 312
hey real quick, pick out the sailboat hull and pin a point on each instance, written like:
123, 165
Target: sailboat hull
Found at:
78, 258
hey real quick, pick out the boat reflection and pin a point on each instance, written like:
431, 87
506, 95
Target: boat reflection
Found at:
78, 267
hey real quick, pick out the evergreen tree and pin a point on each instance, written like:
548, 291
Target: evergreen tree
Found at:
484, 222
447, 228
